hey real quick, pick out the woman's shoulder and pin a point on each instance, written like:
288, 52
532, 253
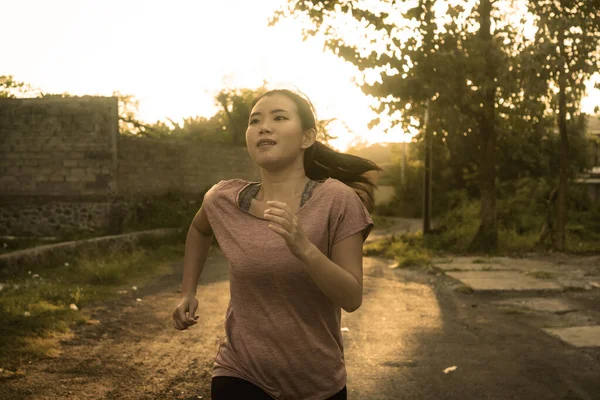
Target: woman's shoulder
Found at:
230, 183
336, 186
223, 186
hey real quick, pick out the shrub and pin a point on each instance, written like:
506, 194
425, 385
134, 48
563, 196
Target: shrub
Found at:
456, 228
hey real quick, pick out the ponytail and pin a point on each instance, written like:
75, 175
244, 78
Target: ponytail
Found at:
322, 162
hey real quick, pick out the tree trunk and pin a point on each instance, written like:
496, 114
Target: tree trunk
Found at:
561, 212
486, 238
403, 163
427, 182
548, 228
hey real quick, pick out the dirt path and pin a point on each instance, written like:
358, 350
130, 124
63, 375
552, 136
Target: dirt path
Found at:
133, 351
409, 329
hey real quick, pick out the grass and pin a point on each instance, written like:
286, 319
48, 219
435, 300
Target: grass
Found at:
375, 248
36, 305
10, 243
381, 222
510, 243
406, 249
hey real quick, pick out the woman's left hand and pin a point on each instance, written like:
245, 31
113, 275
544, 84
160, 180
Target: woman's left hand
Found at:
285, 223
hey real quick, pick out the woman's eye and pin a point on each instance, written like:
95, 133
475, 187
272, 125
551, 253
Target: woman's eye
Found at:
280, 116
253, 121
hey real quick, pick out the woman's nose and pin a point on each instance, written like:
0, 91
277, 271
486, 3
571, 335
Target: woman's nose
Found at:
265, 128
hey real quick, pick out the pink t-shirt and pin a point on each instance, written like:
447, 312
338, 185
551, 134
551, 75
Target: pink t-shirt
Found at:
283, 334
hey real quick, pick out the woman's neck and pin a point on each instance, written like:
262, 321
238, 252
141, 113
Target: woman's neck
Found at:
285, 191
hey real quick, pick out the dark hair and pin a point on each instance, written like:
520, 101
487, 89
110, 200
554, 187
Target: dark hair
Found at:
322, 162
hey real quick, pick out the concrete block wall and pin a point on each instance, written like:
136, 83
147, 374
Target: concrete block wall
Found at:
152, 166
64, 167
58, 146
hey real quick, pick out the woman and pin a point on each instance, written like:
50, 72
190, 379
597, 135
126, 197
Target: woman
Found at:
294, 245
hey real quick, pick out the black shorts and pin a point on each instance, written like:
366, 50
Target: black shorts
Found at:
232, 388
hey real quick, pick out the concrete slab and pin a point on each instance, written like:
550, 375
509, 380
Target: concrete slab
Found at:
540, 304
578, 336
502, 280
463, 266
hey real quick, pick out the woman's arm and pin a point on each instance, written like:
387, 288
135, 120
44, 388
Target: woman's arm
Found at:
341, 277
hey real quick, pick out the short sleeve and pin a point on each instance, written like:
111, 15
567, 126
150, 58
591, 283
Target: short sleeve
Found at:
210, 192
209, 198
348, 216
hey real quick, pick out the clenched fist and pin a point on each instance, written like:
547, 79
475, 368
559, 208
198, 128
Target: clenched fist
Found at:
183, 316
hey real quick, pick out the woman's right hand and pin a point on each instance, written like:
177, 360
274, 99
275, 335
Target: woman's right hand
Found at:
183, 316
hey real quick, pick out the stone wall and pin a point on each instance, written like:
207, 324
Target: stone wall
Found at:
58, 146
152, 166
64, 167
58, 164
54, 215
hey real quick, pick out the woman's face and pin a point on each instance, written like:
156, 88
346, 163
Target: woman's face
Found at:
274, 117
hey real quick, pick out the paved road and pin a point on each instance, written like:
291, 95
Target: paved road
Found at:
412, 326
409, 329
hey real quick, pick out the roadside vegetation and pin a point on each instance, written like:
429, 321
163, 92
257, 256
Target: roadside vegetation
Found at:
522, 212
38, 305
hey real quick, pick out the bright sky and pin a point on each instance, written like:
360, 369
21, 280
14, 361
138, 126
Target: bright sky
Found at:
174, 56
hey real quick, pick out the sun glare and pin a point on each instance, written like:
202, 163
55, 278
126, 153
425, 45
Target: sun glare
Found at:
174, 58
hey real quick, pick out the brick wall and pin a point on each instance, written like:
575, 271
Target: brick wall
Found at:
153, 166
58, 146
64, 167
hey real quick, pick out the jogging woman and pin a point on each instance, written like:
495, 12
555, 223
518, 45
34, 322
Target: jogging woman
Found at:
294, 245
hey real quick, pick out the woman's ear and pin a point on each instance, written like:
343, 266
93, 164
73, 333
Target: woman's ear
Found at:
310, 136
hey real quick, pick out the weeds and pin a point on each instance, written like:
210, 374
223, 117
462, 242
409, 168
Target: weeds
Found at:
381, 222
406, 249
38, 306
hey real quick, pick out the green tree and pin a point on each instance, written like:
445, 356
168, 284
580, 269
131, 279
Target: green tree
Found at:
11, 88
237, 104
213, 129
564, 55
456, 64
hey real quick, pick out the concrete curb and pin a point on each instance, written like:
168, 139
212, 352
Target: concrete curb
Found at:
53, 254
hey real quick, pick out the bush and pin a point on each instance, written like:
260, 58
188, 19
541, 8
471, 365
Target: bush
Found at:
510, 241
522, 208
522, 205
375, 248
456, 228
409, 250
170, 210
